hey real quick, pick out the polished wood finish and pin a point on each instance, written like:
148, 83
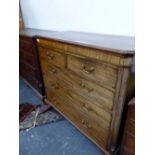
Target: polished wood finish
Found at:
29, 66
128, 142
87, 82
110, 43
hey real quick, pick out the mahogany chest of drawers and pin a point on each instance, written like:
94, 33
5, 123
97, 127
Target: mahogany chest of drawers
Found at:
85, 77
29, 66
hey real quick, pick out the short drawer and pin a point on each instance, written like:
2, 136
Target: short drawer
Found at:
80, 50
97, 72
52, 57
84, 121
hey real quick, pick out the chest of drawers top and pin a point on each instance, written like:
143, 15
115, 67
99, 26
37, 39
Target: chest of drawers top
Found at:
124, 45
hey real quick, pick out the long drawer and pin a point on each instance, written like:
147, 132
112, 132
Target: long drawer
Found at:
87, 104
92, 92
94, 126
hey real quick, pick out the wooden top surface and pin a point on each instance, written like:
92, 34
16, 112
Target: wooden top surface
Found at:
118, 44
33, 32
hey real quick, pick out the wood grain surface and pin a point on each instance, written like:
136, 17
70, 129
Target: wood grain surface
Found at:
87, 85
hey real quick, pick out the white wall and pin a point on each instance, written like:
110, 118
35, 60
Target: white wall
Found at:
99, 16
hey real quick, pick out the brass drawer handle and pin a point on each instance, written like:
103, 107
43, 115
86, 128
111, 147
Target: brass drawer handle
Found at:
38, 40
88, 89
54, 86
83, 122
52, 70
89, 109
86, 124
55, 101
47, 53
50, 55
87, 69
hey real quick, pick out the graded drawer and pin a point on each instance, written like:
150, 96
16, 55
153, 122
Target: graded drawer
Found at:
51, 57
92, 92
71, 108
97, 72
53, 82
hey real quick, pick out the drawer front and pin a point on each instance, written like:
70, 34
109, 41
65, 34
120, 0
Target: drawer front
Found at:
28, 58
80, 50
63, 100
87, 105
92, 92
28, 77
27, 68
100, 96
25, 46
59, 87
34, 81
97, 72
51, 57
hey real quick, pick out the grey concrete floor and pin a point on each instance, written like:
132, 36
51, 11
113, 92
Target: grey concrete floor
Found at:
59, 138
